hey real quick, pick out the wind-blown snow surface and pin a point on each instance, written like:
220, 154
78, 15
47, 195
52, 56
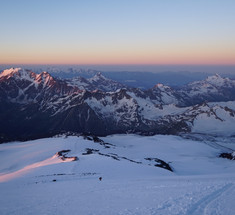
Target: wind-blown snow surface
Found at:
33, 180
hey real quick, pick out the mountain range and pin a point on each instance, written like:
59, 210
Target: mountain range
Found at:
40, 105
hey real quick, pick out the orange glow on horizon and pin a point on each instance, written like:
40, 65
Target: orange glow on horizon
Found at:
185, 61
124, 62
133, 55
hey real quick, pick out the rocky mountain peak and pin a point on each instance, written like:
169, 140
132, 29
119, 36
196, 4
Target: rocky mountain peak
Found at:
161, 87
45, 78
10, 72
98, 76
17, 73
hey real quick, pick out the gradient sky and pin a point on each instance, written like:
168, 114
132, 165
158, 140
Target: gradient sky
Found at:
117, 32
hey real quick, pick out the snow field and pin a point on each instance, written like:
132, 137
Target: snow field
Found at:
202, 183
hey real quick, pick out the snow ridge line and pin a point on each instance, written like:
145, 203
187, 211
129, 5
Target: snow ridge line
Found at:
199, 207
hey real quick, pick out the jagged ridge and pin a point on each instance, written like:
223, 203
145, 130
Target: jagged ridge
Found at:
37, 105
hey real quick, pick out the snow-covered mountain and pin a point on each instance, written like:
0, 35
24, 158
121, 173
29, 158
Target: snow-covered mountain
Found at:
213, 88
207, 118
163, 94
97, 82
37, 105
24, 86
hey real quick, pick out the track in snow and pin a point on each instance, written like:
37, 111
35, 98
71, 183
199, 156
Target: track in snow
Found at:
200, 207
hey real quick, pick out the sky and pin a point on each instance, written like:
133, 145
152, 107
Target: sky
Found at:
199, 32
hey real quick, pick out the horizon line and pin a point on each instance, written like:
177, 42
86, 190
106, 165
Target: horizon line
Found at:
120, 64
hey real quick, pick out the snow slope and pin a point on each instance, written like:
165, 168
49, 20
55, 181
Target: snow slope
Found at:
34, 180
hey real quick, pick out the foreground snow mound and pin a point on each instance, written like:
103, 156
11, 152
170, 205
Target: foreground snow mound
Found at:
38, 176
